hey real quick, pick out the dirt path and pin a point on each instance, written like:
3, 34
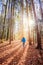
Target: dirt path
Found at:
16, 54
23, 58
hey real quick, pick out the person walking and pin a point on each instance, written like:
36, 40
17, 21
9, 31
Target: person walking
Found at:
23, 40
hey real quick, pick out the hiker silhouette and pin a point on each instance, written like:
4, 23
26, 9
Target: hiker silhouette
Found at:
23, 40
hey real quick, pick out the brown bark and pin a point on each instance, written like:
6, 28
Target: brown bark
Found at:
4, 19
38, 35
41, 9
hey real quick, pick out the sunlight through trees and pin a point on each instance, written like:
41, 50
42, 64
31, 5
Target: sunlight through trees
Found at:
21, 18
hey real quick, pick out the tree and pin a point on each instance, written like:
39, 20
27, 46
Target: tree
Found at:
41, 9
8, 21
3, 36
38, 34
13, 2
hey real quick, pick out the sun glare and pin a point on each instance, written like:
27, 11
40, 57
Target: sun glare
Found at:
25, 25
31, 23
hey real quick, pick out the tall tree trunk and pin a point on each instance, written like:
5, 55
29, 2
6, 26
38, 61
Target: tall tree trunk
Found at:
11, 22
3, 36
38, 35
1, 21
8, 21
41, 9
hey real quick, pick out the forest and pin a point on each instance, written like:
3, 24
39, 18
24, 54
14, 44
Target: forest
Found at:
18, 19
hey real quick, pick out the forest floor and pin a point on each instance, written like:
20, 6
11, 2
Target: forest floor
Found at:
16, 54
